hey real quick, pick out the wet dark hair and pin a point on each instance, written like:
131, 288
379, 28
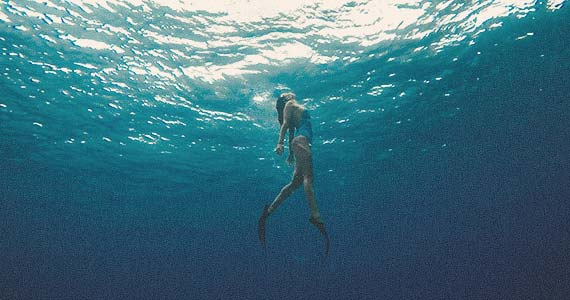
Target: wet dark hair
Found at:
280, 104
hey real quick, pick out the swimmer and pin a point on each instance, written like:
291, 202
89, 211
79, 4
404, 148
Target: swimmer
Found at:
295, 118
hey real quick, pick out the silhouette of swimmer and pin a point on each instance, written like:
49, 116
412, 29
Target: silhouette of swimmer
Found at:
295, 117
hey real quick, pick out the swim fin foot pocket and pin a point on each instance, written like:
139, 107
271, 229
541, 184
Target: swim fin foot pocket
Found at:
261, 225
321, 227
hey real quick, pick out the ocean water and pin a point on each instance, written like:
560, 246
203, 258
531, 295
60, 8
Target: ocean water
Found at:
137, 149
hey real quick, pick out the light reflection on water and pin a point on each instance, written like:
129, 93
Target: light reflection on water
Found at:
180, 75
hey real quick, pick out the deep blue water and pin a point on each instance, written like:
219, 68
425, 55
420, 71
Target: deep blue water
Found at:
137, 149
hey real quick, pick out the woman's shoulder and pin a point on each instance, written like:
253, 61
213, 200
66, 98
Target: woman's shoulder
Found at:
294, 106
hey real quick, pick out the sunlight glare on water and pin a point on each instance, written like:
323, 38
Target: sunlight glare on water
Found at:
157, 72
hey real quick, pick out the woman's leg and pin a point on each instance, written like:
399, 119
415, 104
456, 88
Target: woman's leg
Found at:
310, 192
285, 192
288, 189
305, 163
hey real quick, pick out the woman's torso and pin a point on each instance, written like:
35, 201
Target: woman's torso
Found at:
296, 115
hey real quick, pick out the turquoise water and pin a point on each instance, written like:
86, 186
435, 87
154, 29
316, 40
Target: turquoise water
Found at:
137, 149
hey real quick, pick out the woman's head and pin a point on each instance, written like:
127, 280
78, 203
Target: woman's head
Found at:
280, 104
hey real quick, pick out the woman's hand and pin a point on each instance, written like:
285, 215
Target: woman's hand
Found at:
279, 149
290, 159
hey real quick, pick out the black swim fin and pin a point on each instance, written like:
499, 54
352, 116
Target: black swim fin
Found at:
261, 226
321, 226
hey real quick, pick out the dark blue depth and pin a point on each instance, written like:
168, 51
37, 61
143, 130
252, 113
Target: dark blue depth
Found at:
466, 200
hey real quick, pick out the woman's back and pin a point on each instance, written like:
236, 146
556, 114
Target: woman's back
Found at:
296, 116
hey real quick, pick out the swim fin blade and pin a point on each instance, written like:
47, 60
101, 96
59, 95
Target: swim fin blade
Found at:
261, 226
321, 227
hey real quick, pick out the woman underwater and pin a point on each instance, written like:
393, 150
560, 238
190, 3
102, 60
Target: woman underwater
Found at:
295, 117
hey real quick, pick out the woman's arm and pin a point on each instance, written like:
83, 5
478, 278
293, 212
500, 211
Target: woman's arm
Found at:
286, 117
287, 111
